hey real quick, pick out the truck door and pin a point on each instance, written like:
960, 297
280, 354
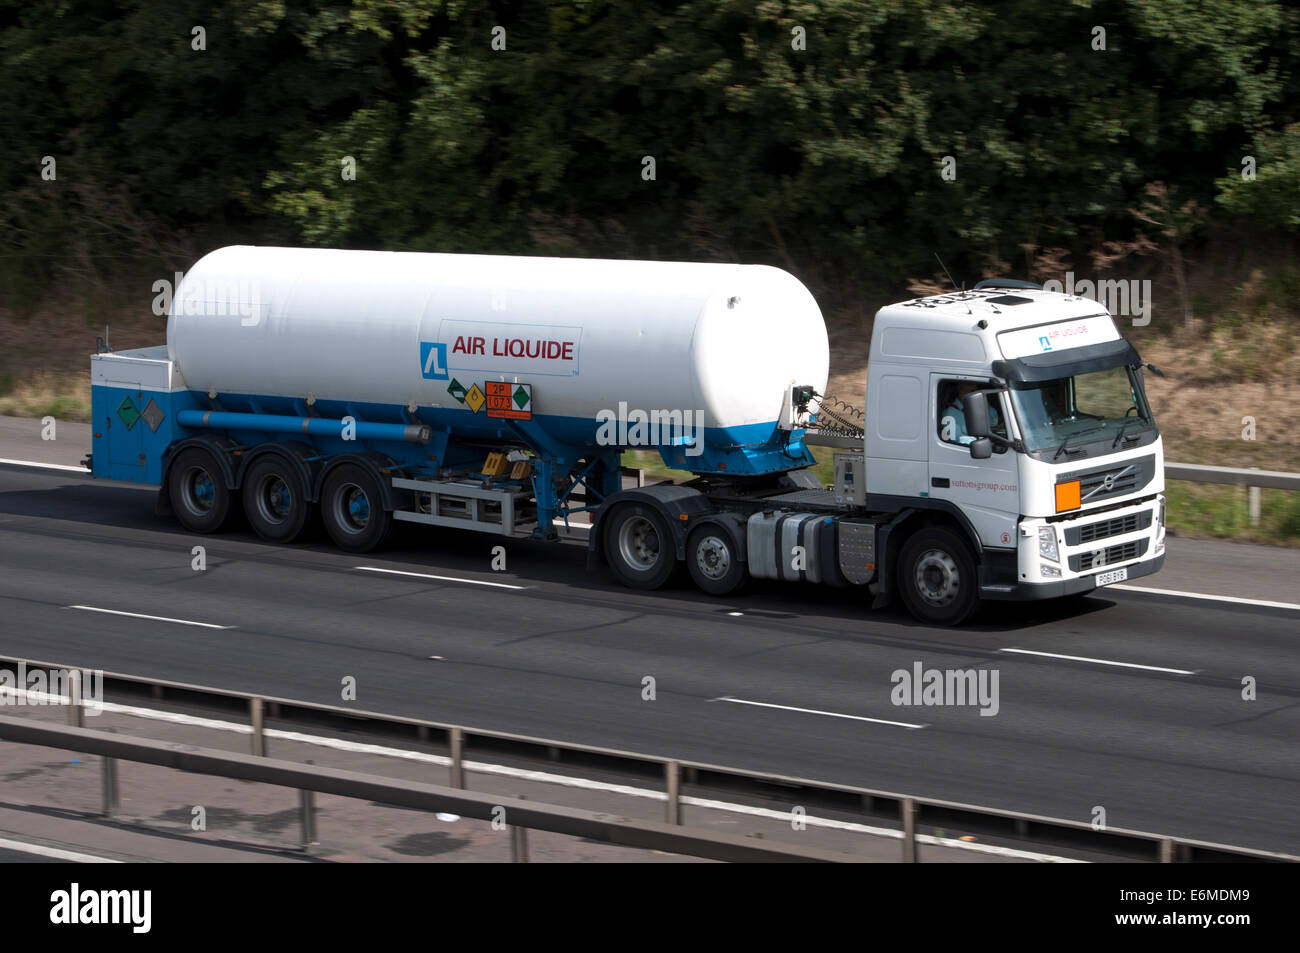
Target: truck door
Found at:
986, 491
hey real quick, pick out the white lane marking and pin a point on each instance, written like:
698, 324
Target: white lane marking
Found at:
1208, 598
154, 618
1100, 661
425, 575
814, 711
545, 777
44, 466
55, 852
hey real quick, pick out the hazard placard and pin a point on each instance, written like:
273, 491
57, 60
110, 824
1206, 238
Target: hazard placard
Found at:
474, 398
509, 401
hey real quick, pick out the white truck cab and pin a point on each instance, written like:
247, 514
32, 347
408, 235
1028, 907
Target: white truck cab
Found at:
1021, 414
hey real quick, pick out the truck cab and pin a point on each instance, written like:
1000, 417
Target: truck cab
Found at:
1020, 417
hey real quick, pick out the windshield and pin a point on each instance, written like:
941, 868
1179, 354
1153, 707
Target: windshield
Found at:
1102, 405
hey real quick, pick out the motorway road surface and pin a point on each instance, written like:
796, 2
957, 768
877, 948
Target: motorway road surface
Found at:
1163, 742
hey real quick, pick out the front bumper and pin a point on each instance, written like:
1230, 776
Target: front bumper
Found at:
1054, 588
1128, 537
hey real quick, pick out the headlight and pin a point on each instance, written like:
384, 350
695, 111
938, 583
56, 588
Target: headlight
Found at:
1052, 571
1047, 543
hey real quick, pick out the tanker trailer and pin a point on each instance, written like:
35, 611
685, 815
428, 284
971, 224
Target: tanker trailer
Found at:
483, 392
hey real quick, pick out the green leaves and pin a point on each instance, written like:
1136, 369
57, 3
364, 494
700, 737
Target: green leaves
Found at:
811, 134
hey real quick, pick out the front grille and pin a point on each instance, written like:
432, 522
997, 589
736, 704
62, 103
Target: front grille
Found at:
1104, 529
1099, 558
1123, 478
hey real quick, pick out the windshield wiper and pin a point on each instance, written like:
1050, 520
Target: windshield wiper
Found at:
1118, 436
1061, 449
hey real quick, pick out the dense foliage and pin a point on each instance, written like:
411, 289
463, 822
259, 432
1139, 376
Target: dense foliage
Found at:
811, 135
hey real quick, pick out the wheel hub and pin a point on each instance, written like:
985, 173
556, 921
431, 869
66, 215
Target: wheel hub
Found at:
638, 543
200, 491
354, 507
276, 499
713, 557
938, 580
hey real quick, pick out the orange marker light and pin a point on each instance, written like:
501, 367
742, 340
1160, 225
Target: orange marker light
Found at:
1067, 496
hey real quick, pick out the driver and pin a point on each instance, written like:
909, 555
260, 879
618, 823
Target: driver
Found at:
952, 424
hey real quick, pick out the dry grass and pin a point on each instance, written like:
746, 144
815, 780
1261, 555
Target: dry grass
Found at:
45, 364
43, 393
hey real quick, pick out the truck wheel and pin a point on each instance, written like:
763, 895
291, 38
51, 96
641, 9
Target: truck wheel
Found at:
199, 496
352, 509
713, 562
275, 500
639, 547
937, 577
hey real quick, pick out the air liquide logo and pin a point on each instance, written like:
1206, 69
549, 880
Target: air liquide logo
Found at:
75, 906
433, 361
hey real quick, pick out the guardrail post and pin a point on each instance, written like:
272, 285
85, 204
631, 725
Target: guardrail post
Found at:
1253, 496
458, 758
307, 809
518, 844
519, 841
1167, 850
908, 809
673, 779
110, 802
259, 727
74, 699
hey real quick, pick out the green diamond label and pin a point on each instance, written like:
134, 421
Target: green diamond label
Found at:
522, 397
127, 413
457, 390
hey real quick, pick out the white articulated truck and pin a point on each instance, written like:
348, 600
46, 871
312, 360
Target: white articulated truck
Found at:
1007, 450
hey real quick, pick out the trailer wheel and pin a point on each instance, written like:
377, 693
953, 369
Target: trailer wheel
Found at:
713, 562
352, 509
275, 500
639, 547
199, 496
937, 577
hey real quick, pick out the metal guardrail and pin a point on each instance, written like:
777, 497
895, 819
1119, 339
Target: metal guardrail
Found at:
519, 814
866, 804
1233, 476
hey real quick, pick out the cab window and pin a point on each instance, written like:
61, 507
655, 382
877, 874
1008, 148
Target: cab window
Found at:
951, 421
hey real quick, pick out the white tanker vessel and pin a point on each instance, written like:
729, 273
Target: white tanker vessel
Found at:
1007, 450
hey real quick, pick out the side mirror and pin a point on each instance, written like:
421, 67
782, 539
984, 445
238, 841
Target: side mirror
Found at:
976, 407
981, 449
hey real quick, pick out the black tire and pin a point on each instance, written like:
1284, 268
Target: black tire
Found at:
937, 577
713, 562
639, 546
352, 509
275, 499
197, 489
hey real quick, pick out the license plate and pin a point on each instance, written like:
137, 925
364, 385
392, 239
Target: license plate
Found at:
1115, 575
